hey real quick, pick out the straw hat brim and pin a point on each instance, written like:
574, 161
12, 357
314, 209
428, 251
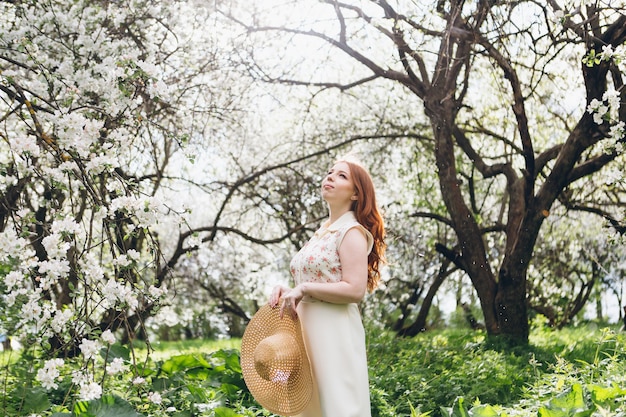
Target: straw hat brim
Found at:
285, 396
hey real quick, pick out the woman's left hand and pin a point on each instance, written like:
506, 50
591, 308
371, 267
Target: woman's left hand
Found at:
290, 301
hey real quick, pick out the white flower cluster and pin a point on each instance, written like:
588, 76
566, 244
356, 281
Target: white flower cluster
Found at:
49, 373
618, 55
90, 348
90, 390
79, 132
145, 210
13, 247
607, 110
579, 7
115, 292
116, 366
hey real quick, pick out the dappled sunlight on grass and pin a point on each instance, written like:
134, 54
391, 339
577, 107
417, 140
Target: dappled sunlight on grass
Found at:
436, 369
167, 349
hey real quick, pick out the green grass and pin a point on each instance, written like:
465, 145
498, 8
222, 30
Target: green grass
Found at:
573, 372
7, 357
434, 369
164, 350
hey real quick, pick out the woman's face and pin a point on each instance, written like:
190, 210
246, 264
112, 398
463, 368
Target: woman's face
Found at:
338, 185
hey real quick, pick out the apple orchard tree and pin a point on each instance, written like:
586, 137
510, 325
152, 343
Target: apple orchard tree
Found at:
525, 107
95, 119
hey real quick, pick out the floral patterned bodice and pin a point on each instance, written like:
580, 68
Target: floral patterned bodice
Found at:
318, 260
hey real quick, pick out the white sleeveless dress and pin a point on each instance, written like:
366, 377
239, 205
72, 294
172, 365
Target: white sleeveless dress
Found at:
333, 333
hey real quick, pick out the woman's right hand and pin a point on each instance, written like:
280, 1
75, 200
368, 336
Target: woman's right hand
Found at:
276, 295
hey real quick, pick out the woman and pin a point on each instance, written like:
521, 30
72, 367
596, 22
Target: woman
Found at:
332, 272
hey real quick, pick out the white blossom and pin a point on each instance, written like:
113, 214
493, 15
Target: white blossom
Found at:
89, 348
92, 269
12, 246
167, 316
194, 241
53, 269
611, 96
133, 254
122, 261
32, 310
101, 163
558, 16
598, 110
49, 373
60, 320
23, 144
55, 246
155, 397
155, 292
607, 52
7, 181
116, 366
617, 132
66, 225
115, 292
108, 337
90, 391
80, 378
78, 132
13, 279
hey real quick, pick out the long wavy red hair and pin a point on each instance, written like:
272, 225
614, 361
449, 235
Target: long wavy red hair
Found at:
367, 213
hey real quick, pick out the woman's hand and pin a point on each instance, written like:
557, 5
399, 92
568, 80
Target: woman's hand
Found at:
276, 294
290, 300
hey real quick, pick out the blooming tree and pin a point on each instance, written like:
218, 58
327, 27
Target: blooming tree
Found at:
95, 119
524, 105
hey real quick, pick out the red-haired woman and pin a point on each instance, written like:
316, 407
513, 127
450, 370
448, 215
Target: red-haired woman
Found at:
332, 272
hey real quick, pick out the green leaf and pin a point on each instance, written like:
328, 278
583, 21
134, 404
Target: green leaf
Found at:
229, 389
232, 361
36, 400
107, 406
182, 414
225, 412
198, 373
459, 409
605, 395
117, 350
570, 400
199, 394
548, 412
570, 403
446, 411
183, 363
484, 410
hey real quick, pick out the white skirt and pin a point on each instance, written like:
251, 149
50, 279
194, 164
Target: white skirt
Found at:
335, 342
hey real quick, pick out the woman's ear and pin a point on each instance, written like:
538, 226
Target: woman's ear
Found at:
354, 197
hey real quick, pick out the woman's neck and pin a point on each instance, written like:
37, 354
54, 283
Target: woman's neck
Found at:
335, 213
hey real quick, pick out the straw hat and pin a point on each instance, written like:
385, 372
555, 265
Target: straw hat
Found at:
274, 362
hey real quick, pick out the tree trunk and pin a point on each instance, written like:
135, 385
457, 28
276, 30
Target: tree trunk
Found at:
510, 305
471, 255
419, 324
